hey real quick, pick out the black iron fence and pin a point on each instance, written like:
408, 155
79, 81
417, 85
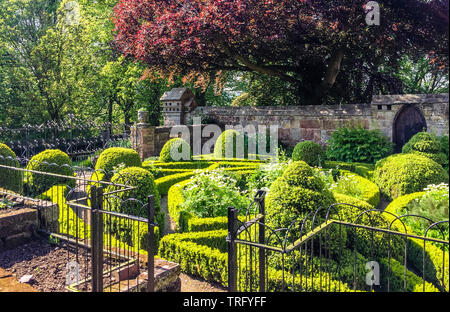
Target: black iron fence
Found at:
74, 136
109, 237
327, 251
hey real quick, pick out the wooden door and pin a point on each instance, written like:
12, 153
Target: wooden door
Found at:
408, 122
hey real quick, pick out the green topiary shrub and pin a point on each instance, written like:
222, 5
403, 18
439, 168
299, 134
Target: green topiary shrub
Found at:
49, 161
10, 179
403, 174
428, 145
310, 152
358, 145
145, 186
226, 145
175, 150
112, 157
295, 194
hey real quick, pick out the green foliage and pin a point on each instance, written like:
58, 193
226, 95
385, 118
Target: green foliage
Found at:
226, 145
362, 169
11, 179
49, 161
310, 152
436, 261
434, 206
115, 156
295, 194
164, 184
145, 186
265, 175
245, 99
201, 254
428, 145
358, 145
175, 150
403, 174
358, 187
209, 194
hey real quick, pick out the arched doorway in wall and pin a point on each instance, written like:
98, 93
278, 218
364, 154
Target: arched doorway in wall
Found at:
408, 121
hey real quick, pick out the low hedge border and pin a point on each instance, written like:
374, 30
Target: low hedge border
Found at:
200, 254
434, 263
362, 169
370, 191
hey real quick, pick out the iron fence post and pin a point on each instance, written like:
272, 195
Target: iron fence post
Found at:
232, 257
262, 241
99, 234
151, 244
94, 240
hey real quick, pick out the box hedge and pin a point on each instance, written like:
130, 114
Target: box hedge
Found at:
10, 179
175, 148
310, 152
403, 174
112, 157
49, 161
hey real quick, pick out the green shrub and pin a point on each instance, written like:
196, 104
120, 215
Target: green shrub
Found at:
225, 146
428, 145
436, 261
49, 161
357, 186
358, 145
403, 174
310, 152
144, 184
175, 150
164, 184
10, 179
362, 169
113, 157
201, 254
396, 276
295, 194
210, 193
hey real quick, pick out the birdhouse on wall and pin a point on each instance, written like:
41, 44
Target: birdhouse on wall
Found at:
176, 103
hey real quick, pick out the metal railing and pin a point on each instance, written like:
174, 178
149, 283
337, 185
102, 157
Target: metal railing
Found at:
327, 252
74, 136
108, 236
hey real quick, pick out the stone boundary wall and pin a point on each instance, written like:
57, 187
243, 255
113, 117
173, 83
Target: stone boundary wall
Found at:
314, 122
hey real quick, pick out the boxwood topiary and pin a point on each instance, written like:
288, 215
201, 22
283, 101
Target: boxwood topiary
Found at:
310, 152
403, 174
227, 140
113, 157
145, 186
295, 194
428, 145
175, 150
10, 179
50, 161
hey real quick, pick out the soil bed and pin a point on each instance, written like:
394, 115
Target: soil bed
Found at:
48, 265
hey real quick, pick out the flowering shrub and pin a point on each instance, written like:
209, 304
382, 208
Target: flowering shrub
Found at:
432, 205
347, 185
265, 175
210, 193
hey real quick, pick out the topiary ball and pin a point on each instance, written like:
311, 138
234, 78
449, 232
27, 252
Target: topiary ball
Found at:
428, 145
144, 185
295, 194
10, 179
403, 174
227, 145
175, 150
111, 158
50, 161
310, 152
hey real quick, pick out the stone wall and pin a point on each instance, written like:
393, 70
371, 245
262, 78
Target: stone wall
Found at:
315, 123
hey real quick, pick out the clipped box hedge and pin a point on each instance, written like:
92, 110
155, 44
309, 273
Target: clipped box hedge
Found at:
435, 263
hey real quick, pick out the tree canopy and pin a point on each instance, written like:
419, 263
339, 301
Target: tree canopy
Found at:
313, 46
